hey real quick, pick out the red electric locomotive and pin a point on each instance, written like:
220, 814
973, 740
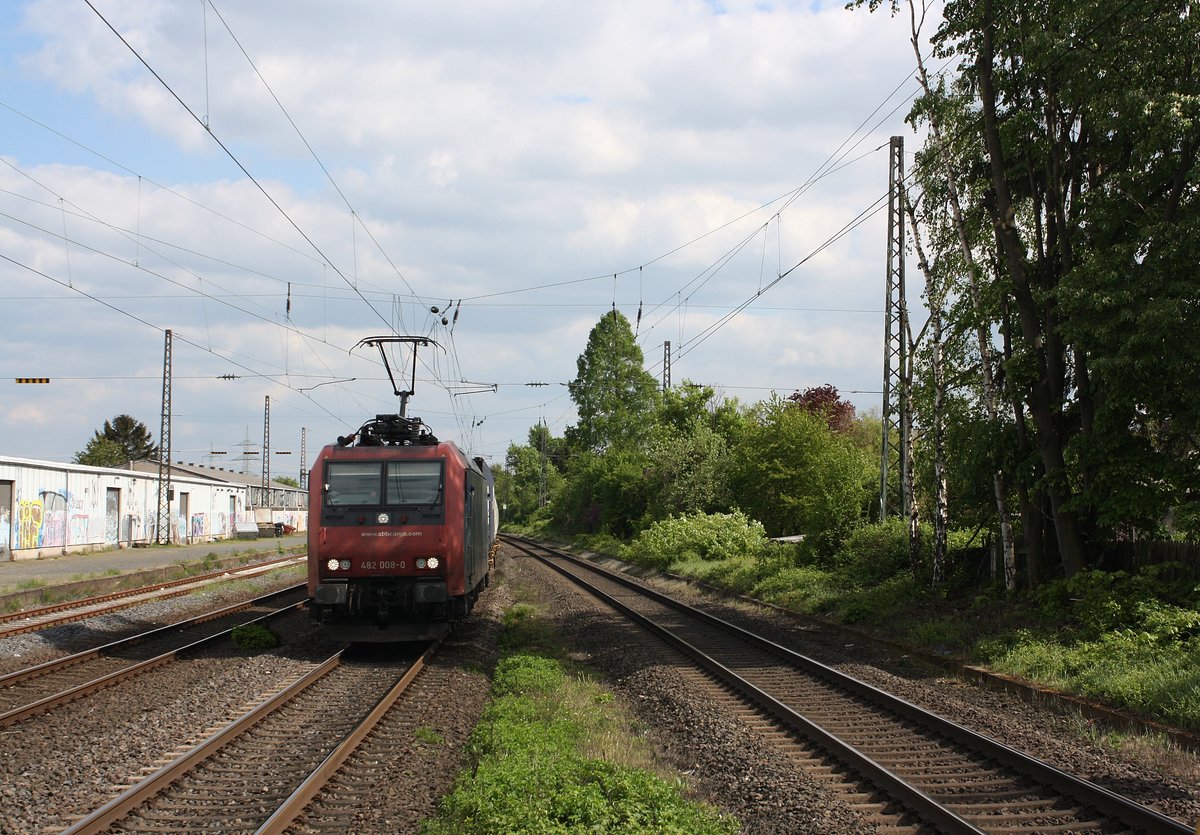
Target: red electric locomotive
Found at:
401, 529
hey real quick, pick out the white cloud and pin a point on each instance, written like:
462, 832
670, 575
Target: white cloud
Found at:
484, 147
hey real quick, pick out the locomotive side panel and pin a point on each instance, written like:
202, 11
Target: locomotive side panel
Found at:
476, 520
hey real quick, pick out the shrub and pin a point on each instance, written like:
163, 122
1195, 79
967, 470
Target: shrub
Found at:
712, 537
804, 589
600, 543
530, 772
739, 574
526, 674
873, 553
253, 636
1100, 602
875, 603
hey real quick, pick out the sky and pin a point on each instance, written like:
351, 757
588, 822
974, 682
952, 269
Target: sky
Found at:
275, 181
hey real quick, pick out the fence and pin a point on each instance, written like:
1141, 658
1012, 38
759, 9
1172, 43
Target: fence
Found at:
1136, 556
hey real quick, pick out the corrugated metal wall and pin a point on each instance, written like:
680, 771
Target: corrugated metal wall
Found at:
48, 508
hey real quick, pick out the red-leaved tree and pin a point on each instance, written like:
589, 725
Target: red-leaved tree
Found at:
824, 402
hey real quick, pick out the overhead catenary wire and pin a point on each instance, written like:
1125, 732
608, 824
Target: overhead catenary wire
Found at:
242, 167
692, 304
311, 150
177, 336
233, 157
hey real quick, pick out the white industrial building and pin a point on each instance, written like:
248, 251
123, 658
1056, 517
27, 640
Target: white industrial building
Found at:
49, 508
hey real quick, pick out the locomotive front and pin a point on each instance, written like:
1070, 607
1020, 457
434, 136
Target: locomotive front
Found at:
398, 537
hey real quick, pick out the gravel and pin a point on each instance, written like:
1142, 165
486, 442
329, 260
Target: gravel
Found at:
1164, 779
86, 750
724, 761
31, 648
410, 761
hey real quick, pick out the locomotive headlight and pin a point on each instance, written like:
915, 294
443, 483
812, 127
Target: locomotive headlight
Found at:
332, 565
432, 562
420, 562
345, 565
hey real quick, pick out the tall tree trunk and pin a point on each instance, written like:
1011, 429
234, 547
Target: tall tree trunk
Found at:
937, 299
941, 504
990, 395
1030, 507
1042, 405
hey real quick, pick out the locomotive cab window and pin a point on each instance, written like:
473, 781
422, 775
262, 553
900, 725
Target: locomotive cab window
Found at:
413, 482
354, 483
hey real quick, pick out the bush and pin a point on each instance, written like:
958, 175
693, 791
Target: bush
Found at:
875, 603
530, 772
709, 537
600, 543
1127, 668
737, 575
803, 589
526, 674
253, 636
874, 553
1099, 602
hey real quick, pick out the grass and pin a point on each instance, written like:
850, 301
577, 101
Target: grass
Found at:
428, 736
1145, 677
555, 752
253, 636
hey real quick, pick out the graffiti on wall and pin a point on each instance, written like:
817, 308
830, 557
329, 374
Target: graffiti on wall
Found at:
293, 519
29, 523
77, 514
198, 520
5, 530
43, 522
79, 527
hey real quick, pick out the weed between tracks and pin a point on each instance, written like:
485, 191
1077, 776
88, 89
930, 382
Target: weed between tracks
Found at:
554, 752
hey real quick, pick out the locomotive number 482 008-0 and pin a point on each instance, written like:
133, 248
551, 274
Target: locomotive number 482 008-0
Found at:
382, 565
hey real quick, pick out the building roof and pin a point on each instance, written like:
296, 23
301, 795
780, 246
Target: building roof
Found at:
210, 473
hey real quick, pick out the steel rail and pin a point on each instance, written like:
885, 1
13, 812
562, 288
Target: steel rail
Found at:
283, 817
18, 676
913, 798
133, 797
1089, 794
150, 591
87, 688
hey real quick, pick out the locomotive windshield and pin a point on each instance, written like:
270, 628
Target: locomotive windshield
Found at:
413, 482
377, 483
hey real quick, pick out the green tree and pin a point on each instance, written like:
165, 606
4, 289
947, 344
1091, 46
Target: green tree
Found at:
687, 471
102, 452
1073, 130
605, 492
128, 434
794, 474
689, 452
614, 395
532, 479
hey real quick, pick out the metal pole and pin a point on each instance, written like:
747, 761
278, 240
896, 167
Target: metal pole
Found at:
666, 377
266, 457
162, 523
894, 452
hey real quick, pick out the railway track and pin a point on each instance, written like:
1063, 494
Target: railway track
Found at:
258, 773
944, 776
40, 688
55, 614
